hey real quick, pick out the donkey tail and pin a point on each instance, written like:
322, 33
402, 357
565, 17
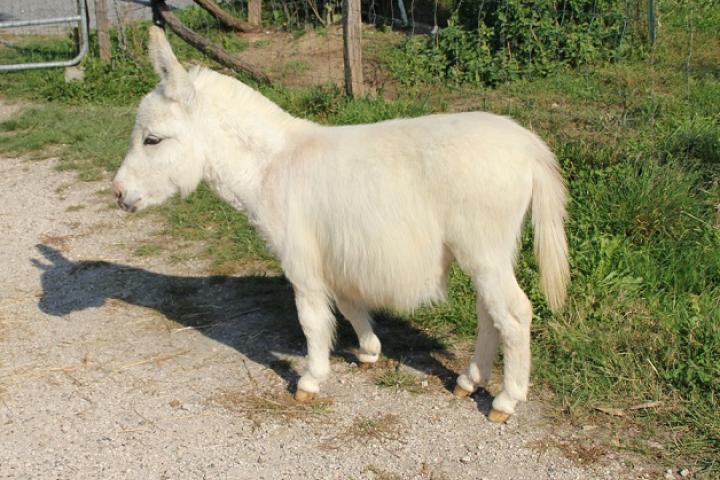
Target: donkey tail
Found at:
548, 219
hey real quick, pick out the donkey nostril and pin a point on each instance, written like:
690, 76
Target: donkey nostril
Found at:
128, 206
117, 189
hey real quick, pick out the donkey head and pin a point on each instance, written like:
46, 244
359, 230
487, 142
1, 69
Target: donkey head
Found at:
166, 154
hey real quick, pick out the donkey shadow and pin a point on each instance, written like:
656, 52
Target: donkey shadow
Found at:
255, 315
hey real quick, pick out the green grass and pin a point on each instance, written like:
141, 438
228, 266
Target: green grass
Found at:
91, 139
639, 143
396, 377
147, 250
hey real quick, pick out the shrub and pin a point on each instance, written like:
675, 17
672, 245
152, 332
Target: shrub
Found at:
496, 41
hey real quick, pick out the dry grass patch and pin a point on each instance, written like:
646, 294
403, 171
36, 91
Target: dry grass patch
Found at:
271, 406
381, 474
245, 267
580, 451
3, 331
386, 427
58, 241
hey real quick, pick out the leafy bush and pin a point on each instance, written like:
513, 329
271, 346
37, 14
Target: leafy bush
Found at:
327, 104
496, 41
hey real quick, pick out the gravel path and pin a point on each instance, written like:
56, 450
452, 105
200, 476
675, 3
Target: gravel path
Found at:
114, 365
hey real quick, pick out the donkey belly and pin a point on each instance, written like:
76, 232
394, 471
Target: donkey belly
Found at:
398, 272
386, 254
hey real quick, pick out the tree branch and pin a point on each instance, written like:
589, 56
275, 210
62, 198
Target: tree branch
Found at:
205, 46
225, 18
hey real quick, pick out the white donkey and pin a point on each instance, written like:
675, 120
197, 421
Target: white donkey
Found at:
363, 216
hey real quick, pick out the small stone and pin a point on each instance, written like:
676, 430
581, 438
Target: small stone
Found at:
424, 383
74, 74
655, 445
684, 473
466, 459
669, 474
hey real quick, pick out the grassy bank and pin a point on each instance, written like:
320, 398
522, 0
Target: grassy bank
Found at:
639, 142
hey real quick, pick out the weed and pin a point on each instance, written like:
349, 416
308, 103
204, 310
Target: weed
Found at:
147, 250
395, 376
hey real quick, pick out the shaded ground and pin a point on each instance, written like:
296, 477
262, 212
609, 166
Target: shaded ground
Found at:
116, 364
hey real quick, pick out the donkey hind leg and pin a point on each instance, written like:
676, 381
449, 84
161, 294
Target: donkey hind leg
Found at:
480, 369
318, 324
361, 321
511, 314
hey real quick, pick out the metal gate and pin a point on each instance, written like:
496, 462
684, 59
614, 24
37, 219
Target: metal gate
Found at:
80, 20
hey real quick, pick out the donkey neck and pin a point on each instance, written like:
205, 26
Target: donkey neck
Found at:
248, 133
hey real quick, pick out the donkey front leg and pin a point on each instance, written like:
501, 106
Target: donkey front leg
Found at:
318, 324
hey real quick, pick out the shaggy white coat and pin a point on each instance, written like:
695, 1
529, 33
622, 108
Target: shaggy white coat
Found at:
363, 216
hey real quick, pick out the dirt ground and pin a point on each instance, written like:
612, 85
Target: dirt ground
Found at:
119, 364
316, 57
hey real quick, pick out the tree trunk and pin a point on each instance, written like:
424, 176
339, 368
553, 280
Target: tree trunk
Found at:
352, 51
208, 48
103, 30
254, 12
225, 18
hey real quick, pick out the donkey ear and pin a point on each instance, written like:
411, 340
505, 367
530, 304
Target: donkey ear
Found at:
175, 81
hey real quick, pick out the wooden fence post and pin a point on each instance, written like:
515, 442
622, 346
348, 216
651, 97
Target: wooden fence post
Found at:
652, 22
352, 51
254, 12
103, 30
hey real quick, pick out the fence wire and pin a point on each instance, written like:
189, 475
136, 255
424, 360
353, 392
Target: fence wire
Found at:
38, 44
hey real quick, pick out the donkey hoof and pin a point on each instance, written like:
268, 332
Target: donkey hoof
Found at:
496, 416
460, 392
365, 365
303, 396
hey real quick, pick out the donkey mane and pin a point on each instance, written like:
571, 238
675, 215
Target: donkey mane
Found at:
228, 92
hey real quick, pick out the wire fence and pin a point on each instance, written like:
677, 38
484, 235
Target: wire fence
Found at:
40, 43
57, 42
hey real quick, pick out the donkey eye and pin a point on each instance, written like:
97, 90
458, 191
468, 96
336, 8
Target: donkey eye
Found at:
152, 140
